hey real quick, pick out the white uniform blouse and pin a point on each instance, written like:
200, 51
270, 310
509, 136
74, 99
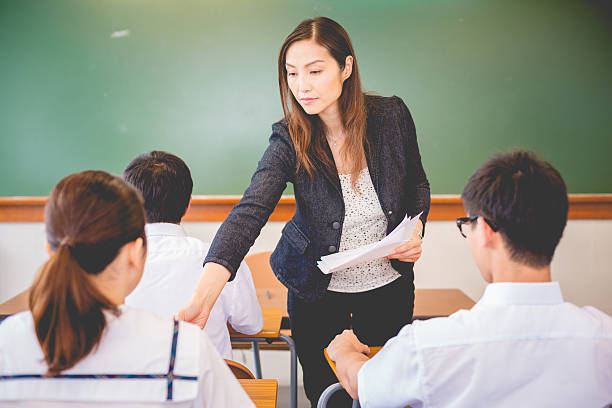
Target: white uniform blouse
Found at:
519, 346
172, 271
131, 367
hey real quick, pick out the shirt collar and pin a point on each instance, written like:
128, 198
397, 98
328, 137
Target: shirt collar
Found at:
522, 293
164, 229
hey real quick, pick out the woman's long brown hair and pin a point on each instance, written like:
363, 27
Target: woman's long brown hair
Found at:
307, 131
89, 216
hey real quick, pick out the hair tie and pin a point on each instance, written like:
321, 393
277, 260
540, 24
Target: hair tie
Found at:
67, 242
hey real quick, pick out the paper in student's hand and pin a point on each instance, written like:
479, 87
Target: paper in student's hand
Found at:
341, 260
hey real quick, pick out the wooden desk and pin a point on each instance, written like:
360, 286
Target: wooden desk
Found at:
427, 302
262, 392
439, 302
15, 304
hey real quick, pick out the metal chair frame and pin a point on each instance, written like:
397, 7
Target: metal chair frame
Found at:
328, 392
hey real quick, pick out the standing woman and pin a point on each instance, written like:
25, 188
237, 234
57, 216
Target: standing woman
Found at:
355, 166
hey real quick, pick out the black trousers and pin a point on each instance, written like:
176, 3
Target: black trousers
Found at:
375, 316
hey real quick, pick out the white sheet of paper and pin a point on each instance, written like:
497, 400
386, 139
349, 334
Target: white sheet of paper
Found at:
341, 260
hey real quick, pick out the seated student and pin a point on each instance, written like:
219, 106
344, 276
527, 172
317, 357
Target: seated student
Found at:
521, 344
175, 260
79, 344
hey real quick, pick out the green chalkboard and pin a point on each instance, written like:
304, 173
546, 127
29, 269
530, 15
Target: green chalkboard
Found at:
91, 84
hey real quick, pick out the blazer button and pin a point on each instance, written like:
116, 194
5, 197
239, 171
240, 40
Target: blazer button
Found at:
331, 248
335, 225
390, 212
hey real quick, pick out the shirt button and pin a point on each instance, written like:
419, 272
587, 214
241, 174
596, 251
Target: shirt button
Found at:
390, 212
335, 225
331, 248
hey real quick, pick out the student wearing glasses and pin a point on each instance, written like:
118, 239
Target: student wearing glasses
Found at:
521, 344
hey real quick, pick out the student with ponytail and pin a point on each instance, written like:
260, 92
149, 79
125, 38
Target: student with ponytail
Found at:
79, 342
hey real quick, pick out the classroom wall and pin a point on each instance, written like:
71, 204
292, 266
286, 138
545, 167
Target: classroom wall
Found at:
581, 263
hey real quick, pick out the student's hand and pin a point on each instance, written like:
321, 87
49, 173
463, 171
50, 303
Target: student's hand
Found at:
409, 251
213, 279
350, 355
344, 343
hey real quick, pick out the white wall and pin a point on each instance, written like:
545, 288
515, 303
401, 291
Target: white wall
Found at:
21, 253
581, 264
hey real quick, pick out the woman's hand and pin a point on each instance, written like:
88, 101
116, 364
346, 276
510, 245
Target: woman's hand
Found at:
213, 279
409, 251
196, 312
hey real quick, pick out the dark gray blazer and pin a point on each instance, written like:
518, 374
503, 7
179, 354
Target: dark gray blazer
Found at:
400, 182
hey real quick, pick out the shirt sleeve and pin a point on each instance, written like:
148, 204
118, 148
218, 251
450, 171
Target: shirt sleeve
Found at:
423, 195
393, 377
218, 386
245, 313
244, 223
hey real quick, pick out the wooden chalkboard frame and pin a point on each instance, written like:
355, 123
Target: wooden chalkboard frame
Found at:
216, 208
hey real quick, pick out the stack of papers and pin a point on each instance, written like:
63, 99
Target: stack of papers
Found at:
341, 260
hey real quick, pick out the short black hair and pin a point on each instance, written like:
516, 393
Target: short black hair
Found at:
164, 180
526, 197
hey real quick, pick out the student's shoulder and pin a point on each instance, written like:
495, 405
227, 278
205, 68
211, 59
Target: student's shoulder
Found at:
149, 322
184, 244
600, 321
156, 321
15, 325
18, 342
163, 247
128, 315
457, 328
198, 243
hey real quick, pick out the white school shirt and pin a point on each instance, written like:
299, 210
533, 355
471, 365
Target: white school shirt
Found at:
521, 345
171, 274
135, 343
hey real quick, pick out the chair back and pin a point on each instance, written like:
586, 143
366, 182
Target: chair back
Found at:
240, 371
263, 276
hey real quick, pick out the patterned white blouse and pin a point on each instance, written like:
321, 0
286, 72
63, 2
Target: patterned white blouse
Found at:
364, 223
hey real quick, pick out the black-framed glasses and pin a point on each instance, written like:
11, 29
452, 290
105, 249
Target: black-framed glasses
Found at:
461, 221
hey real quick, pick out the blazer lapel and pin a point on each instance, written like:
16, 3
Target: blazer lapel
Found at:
329, 174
